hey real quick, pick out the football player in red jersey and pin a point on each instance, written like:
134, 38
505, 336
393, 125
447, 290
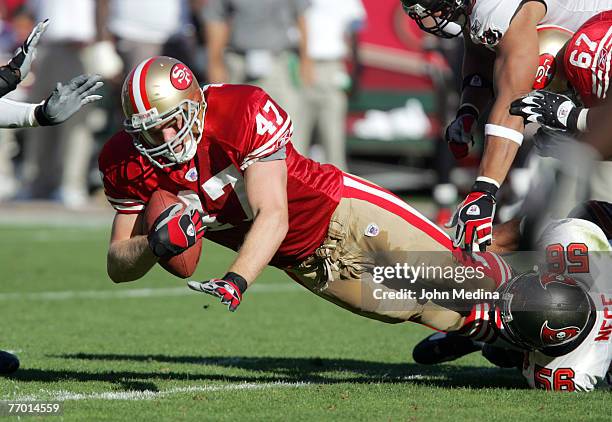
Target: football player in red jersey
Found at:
586, 66
226, 150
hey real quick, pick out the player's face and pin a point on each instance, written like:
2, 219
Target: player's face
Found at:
166, 132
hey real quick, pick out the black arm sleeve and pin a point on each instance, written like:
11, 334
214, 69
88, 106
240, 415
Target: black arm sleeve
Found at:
9, 79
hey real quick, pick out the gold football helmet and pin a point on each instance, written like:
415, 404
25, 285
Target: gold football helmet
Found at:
162, 91
549, 76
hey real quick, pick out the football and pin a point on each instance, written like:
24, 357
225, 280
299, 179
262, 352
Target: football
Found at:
184, 264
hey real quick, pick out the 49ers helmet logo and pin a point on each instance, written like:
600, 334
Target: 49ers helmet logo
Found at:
181, 77
554, 337
546, 71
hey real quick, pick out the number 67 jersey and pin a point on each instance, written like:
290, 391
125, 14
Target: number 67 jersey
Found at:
587, 59
242, 125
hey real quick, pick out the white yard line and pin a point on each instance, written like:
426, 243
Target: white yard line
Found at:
134, 293
63, 395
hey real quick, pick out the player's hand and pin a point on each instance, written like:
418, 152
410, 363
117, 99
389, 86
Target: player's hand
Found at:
474, 218
460, 132
551, 110
19, 66
174, 231
22, 61
229, 289
67, 99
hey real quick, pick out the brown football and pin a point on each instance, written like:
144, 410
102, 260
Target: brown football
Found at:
184, 264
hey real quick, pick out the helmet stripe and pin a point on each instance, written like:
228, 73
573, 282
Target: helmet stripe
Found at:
130, 85
138, 91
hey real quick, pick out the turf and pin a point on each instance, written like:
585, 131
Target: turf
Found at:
152, 350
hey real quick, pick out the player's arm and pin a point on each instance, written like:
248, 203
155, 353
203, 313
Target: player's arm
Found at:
129, 255
63, 102
477, 74
476, 94
266, 189
515, 68
514, 72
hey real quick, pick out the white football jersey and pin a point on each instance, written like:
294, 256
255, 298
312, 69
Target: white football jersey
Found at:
490, 19
585, 367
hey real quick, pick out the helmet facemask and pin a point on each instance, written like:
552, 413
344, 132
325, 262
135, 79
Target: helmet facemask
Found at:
443, 18
188, 136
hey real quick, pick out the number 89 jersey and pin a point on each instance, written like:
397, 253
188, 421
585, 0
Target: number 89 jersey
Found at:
242, 125
587, 59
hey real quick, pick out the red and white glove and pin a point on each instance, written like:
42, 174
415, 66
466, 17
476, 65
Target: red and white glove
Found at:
460, 132
174, 231
229, 289
474, 218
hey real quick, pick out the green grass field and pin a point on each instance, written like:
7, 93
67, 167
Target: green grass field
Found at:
153, 350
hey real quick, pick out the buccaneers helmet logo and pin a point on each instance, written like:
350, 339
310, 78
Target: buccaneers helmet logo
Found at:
554, 337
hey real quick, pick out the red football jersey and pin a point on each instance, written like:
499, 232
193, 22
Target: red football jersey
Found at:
587, 59
242, 124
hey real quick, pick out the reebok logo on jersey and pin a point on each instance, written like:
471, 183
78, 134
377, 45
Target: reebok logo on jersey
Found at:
473, 210
372, 230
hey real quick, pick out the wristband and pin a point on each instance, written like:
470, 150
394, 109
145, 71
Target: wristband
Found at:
504, 132
238, 280
487, 185
581, 124
41, 116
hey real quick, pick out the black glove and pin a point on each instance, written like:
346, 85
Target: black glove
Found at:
229, 289
551, 110
175, 231
474, 217
67, 99
19, 66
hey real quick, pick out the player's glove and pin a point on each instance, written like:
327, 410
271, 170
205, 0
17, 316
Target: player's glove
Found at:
551, 110
67, 99
18, 68
174, 231
460, 133
229, 289
474, 218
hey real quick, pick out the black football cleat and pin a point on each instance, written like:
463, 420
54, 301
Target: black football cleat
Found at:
9, 363
504, 358
443, 347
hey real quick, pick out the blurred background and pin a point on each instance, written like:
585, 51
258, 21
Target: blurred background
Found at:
366, 89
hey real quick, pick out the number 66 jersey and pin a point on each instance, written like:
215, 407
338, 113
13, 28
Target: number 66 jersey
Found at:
242, 125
